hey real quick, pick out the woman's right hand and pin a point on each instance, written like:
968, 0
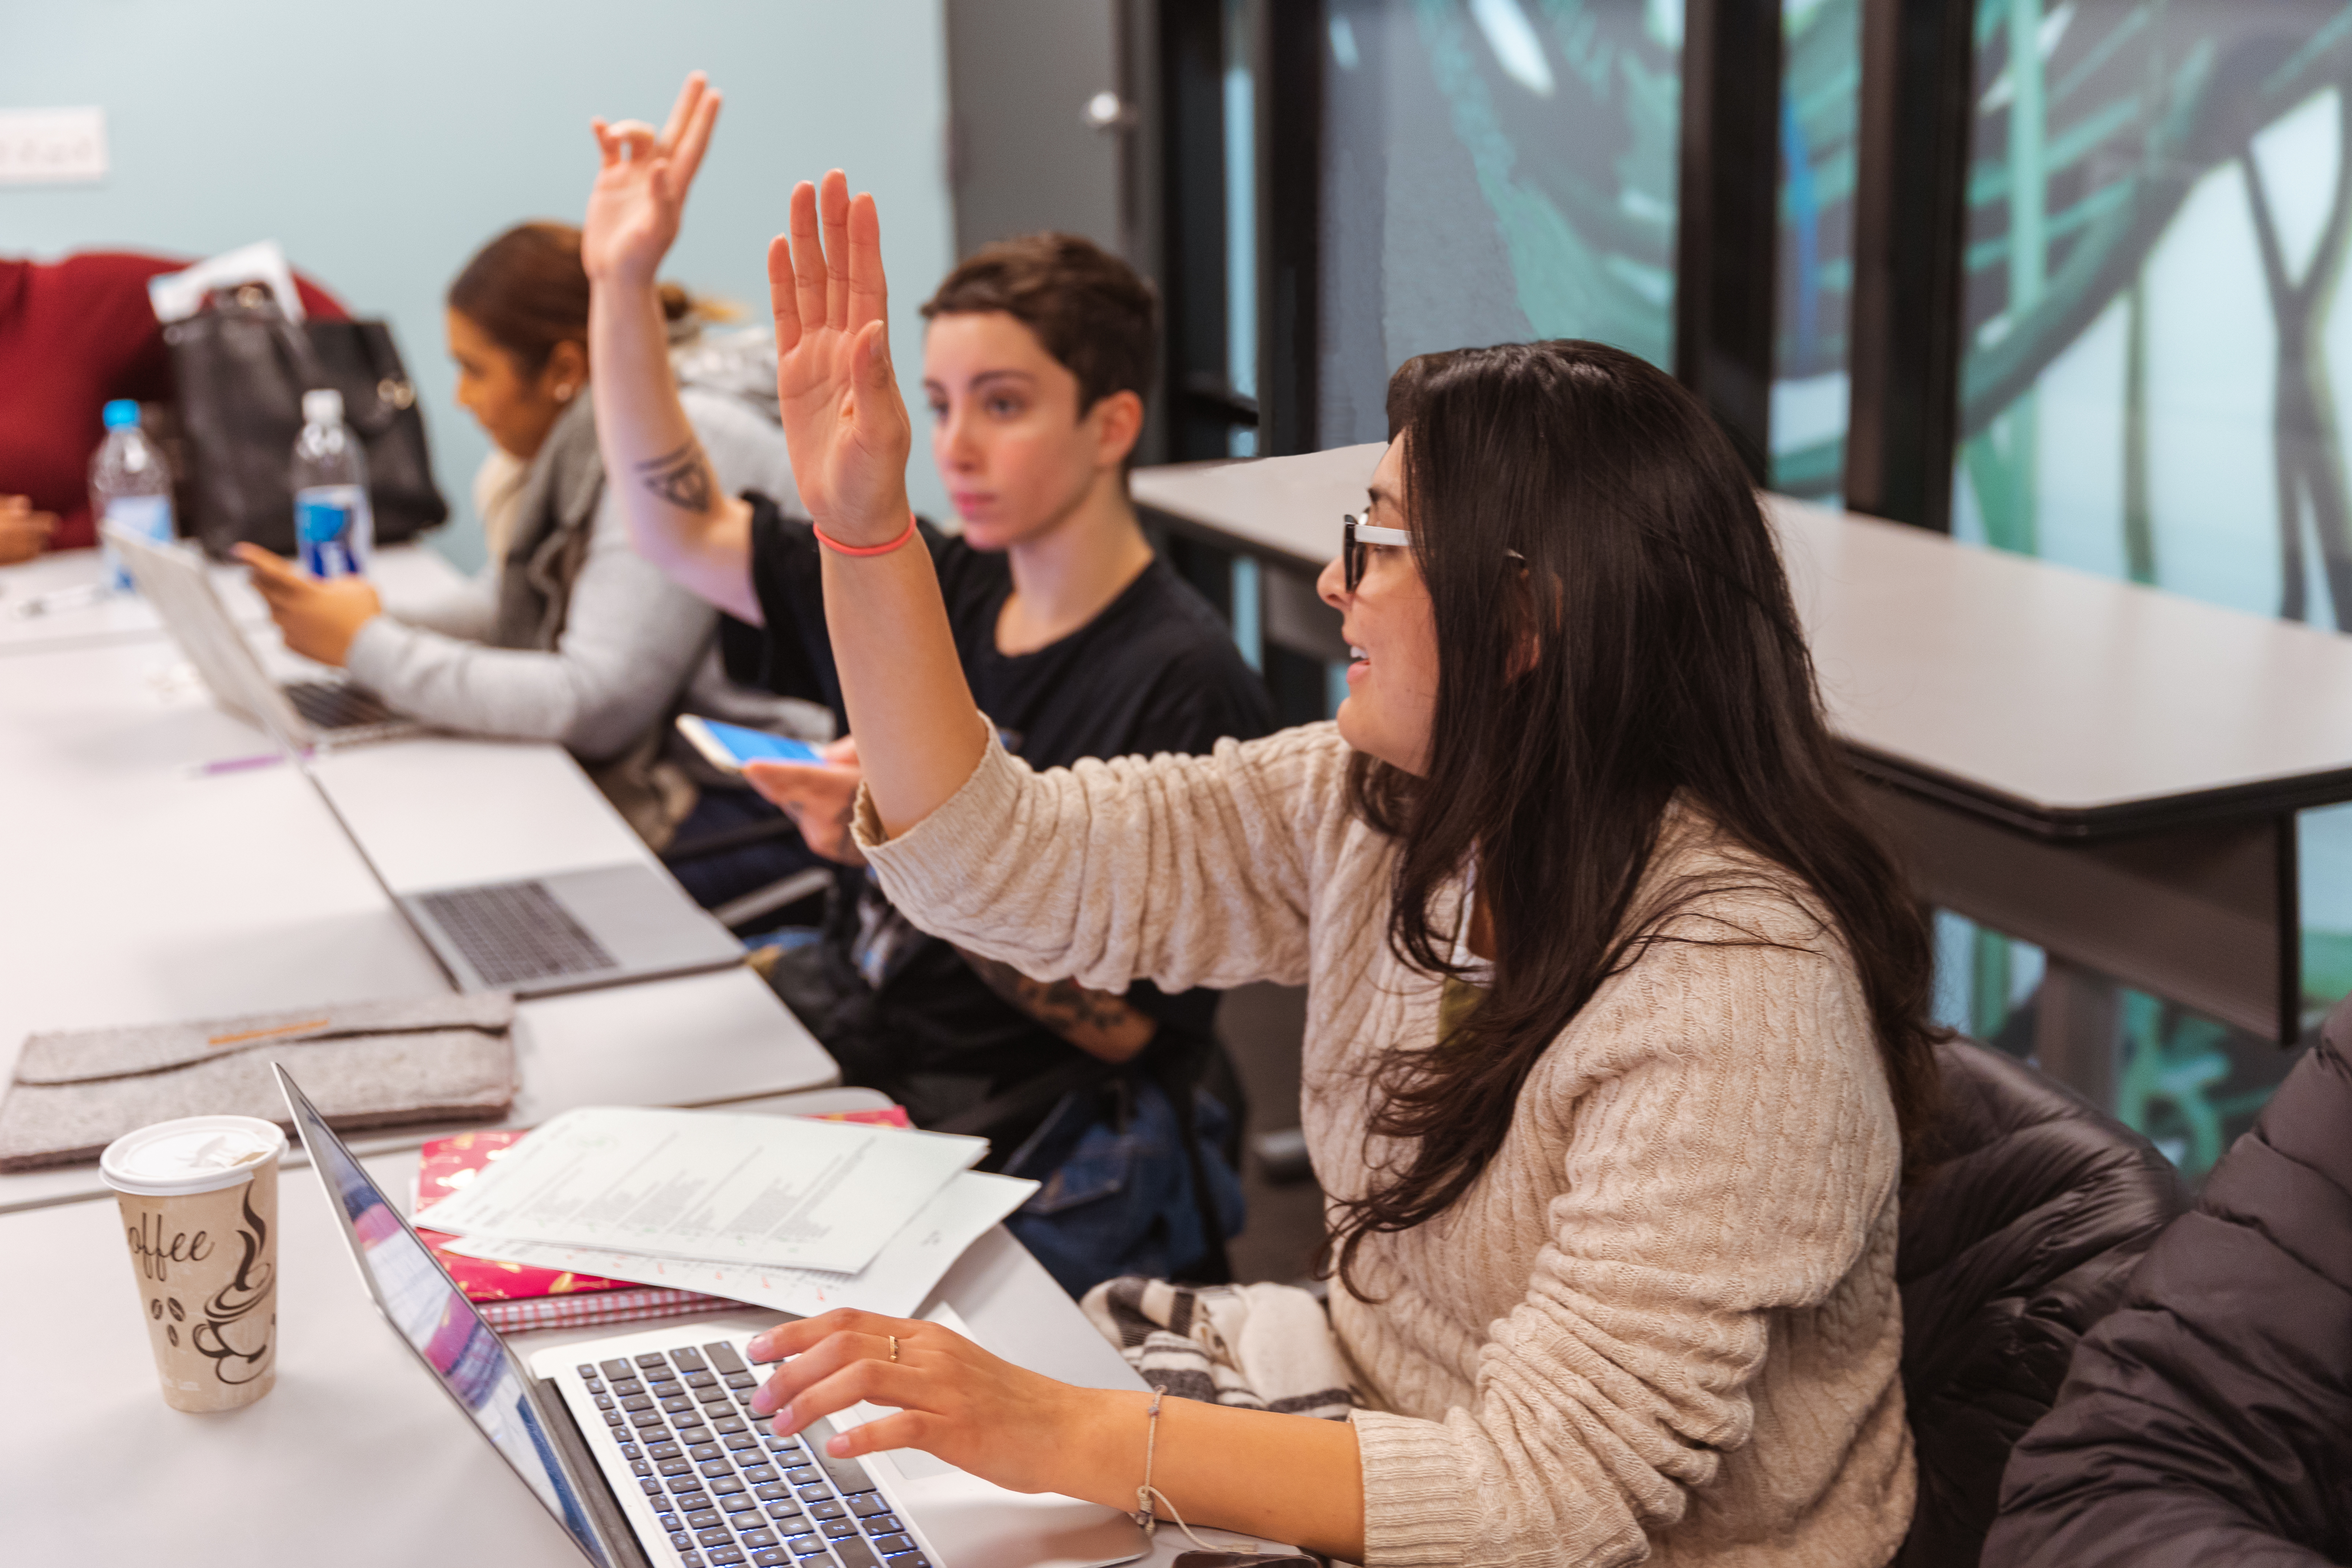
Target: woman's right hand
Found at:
640, 191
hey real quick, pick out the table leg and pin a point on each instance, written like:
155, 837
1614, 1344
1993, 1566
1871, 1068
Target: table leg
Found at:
2078, 1030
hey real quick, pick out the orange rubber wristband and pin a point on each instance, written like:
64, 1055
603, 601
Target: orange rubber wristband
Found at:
840, 549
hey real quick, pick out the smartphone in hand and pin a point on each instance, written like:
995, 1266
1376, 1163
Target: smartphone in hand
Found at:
727, 747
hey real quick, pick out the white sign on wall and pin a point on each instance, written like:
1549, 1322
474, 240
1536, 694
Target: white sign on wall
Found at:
52, 146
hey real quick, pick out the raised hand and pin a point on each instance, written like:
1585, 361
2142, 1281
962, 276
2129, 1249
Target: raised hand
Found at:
640, 190
844, 419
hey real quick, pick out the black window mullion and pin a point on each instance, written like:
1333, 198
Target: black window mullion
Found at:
1726, 241
1909, 215
1290, 35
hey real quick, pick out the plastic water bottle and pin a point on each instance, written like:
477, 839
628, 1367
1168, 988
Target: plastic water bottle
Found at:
334, 529
130, 487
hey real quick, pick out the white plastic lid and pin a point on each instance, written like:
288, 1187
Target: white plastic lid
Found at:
323, 406
192, 1154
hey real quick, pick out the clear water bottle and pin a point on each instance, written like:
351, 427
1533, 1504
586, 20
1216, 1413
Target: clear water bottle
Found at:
334, 529
130, 487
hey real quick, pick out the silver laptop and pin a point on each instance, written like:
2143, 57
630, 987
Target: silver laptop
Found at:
562, 931
299, 713
569, 931
644, 1447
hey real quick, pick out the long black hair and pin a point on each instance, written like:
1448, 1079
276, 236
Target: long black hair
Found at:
1643, 648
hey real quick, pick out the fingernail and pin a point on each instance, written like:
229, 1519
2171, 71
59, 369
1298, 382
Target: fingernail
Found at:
763, 1401
837, 1447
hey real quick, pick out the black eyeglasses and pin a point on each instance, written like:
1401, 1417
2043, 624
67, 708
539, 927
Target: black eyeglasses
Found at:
1357, 539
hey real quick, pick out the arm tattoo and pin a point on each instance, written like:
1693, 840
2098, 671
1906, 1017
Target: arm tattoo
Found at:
680, 477
1097, 1022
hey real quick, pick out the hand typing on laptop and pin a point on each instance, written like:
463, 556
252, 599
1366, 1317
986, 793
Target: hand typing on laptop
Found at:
1027, 1433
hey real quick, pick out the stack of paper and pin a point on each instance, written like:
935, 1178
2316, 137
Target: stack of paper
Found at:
797, 1215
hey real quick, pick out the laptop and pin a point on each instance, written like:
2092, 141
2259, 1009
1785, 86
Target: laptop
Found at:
644, 1448
569, 931
561, 931
297, 713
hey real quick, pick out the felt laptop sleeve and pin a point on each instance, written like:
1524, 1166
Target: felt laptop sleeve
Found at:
365, 1064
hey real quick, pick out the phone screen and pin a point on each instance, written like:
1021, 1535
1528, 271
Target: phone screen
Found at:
759, 746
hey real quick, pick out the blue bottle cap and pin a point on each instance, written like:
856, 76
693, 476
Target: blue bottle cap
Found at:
119, 412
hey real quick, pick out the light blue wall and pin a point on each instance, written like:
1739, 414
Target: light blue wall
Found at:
380, 144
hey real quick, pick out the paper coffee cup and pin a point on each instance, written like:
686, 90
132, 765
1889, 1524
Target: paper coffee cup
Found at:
199, 1202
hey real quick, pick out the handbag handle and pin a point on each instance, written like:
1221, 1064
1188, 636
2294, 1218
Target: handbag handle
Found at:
394, 392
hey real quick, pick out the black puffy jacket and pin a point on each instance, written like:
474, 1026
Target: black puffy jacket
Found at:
2021, 1237
2210, 1420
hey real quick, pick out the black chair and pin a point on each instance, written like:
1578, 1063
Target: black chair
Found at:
2019, 1238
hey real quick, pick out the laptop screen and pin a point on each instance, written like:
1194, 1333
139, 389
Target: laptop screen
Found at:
441, 1326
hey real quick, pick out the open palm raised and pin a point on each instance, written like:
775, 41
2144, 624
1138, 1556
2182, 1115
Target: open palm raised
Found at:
843, 415
640, 190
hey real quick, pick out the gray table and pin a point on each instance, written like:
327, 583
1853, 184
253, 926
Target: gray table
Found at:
2106, 770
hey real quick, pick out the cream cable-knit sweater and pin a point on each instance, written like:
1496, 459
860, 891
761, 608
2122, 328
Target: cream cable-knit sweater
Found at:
1663, 1323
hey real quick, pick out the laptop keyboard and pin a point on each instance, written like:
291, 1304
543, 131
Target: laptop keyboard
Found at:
726, 1489
514, 930
337, 705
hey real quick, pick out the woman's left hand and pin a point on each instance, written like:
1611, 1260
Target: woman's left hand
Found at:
317, 619
982, 1414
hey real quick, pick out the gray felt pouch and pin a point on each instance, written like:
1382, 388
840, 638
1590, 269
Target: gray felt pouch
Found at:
366, 1064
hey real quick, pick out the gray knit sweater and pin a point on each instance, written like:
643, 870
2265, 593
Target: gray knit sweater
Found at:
1663, 1323
632, 640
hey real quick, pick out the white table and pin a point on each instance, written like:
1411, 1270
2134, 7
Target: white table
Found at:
356, 1456
136, 892
2106, 769
60, 583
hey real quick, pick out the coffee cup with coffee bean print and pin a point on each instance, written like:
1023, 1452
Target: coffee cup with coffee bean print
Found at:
198, 1198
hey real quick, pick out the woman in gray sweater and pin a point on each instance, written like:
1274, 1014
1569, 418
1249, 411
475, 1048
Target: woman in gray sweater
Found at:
567, 635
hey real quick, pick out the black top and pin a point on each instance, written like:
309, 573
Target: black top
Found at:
1156, 671
2210, 1420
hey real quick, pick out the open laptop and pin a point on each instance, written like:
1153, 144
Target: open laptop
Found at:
643, 1446
560, 931
567, 930
300, 713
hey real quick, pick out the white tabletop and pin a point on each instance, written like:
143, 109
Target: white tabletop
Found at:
356, 1458
47, 603
138, 893
2057, 701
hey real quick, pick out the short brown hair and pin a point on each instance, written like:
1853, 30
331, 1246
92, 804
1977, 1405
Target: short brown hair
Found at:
1092, 311
528, 292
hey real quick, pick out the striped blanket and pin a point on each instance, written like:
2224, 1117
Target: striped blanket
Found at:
1262, 1347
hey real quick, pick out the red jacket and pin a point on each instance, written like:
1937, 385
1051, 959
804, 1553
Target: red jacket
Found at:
74, 334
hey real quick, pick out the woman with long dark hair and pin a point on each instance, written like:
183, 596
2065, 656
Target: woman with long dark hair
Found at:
1616, 1008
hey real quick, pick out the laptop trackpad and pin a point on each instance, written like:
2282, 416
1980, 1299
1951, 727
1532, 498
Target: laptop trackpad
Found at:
640, 917
975, 1524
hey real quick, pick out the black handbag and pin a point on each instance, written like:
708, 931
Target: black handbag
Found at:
241, 369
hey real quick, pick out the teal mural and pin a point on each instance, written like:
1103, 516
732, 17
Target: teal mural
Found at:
2159, 204
1495, 171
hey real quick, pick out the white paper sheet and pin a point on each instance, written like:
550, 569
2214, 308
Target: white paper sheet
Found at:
772, 1191
894, 1284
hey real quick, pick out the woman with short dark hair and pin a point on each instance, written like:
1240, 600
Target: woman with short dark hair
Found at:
1616, 1007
